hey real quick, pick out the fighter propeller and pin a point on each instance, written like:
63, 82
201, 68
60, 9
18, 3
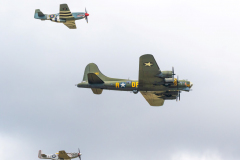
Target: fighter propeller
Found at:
178, 96
86, 15
79, 154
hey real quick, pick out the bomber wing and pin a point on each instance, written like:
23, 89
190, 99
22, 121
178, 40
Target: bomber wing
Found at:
63, 155
156, 98
152, 98
148, 80
148, 71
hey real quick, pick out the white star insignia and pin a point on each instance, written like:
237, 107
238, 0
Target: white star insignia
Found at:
122, 84
148, 64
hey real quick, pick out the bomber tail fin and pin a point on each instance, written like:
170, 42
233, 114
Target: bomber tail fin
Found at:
93, 68
94, 79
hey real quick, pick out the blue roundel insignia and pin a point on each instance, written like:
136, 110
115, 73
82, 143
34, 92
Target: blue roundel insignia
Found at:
53, 156
122, 84
52, 16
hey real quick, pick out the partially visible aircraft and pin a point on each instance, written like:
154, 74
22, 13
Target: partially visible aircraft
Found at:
61, 155
155, 85
64, 16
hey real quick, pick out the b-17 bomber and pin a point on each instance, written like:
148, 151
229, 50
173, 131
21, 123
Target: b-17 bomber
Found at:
155, 85
61, 155
64, 16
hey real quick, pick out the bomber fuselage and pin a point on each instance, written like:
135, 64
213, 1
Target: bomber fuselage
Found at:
130, 85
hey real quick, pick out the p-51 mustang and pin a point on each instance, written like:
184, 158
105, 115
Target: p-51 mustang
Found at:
61, 155
65, 16
155, 85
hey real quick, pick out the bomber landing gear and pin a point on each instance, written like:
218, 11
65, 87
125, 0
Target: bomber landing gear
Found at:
135, 91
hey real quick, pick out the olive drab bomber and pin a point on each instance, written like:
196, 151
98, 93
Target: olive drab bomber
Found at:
155, 85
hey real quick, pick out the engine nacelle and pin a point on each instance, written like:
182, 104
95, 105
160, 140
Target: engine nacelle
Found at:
165, 74
169, 80
169, 98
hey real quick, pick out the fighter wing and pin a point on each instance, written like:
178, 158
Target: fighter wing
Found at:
152, 98
70, 24
65, 13
148, 70
63, 155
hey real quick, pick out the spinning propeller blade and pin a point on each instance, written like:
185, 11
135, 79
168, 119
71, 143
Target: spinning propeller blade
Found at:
79, 154
177, 82
173, 73
86, 15
178, 96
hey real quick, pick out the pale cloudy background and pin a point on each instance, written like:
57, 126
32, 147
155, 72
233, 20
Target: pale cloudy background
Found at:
41, 61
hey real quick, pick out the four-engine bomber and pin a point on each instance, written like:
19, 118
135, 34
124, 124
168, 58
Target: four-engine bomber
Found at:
155, 85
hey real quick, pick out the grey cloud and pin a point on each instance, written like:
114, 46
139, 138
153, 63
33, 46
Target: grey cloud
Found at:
40, 62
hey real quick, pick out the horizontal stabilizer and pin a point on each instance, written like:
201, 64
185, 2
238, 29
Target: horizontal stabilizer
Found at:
94, 79
43, 155
97, 90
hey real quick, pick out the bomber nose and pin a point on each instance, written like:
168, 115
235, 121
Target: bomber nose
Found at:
86, 14
191, 84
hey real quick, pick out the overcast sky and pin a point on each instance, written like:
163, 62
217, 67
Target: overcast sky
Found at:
41, 61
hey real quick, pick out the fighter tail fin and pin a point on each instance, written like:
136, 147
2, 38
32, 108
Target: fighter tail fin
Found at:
40, 154
39, 15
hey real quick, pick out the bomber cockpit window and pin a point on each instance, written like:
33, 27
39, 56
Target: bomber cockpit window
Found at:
128, 82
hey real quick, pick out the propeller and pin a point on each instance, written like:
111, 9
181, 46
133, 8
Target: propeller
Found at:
79, 154
178, 96
86, 15
173, 71
177, 82
173, 74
